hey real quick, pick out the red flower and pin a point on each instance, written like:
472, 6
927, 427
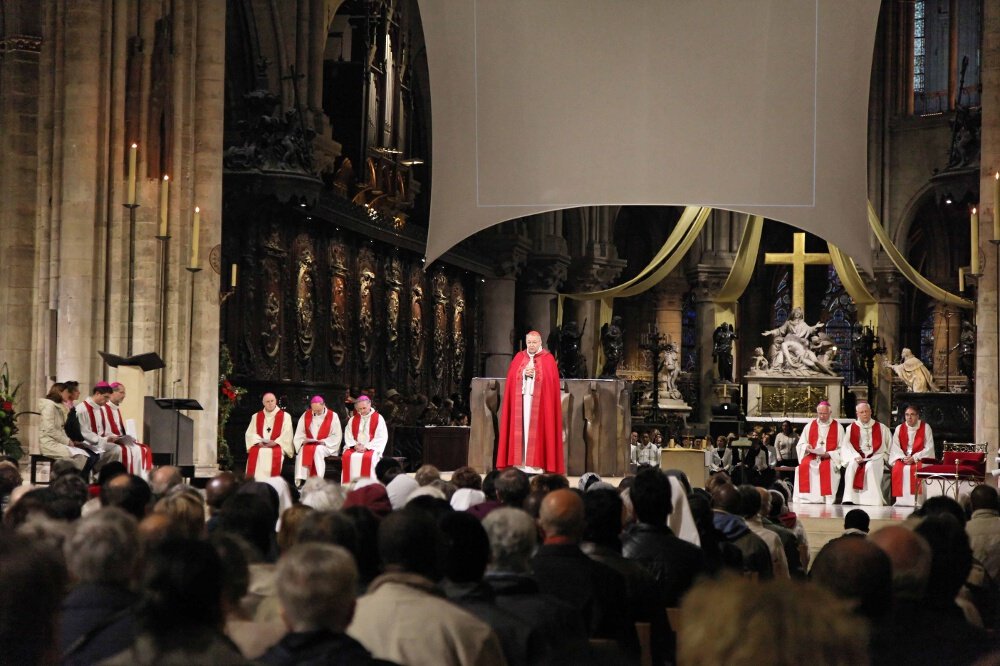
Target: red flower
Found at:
8, 406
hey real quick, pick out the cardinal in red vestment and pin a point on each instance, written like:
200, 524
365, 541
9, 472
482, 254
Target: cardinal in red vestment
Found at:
531, 430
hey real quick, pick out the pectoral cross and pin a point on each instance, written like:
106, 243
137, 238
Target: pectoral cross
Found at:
799, 259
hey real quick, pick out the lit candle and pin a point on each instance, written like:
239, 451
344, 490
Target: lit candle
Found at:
164, 205
961, 279
974, 242
996, 206
131, 173
232, 277
194, 238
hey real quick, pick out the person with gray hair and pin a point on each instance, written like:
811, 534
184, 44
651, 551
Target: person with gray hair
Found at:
316, 587
513, 534
102, 557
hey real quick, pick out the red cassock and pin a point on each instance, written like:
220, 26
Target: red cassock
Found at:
545, 443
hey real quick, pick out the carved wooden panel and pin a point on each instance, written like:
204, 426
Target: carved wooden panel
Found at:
417, 331
339, 312
305, 296
457, 333
394, 282
366, 306
440, 336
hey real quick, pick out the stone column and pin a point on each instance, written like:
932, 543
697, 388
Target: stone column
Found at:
498, 325
668, 301
203, 359
80, 321
947, 328
987, 325
889, 292
545, 272
708, 281
18, 190
595, 266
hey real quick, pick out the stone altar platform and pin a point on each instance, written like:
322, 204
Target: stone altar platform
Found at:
596, 424
779, 397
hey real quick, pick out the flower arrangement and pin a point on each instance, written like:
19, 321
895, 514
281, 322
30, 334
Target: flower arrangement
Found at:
229, 395
9, 444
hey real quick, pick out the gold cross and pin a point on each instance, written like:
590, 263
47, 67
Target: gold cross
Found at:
798, 259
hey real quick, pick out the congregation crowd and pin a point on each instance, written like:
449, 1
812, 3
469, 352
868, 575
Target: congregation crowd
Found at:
501, 568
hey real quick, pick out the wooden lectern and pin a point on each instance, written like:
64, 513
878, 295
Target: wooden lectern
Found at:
132, 373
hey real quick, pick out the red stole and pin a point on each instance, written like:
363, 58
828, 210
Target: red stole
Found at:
93, 419
276, 453
372, 426
825, 477
118, 429
309, 449
854, 432
897, 467
366, 460
279, 421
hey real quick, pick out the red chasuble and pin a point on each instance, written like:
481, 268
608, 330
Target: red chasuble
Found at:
309, 449
366, 461
545, 445
854, 432
275, 451
825, 478
898, 466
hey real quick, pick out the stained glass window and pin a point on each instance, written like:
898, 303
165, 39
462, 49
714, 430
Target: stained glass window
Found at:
839, 313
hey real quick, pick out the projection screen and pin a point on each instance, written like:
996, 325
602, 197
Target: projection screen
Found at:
757, 106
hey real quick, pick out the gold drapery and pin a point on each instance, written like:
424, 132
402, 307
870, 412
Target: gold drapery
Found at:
678, 243
855, 286
741, 272
908, 271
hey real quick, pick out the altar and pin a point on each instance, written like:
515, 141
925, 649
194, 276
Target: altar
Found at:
597, 421
776, 398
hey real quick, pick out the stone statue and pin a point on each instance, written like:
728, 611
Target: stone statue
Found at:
758, 363
572, 363
913, 372
670, 371
722, 349
795, 334
967, 350
613, 344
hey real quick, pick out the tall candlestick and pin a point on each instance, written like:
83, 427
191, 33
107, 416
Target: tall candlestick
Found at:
232, 277
131, 173
194, 237
164, 205
961, 279
996, 206
974, 242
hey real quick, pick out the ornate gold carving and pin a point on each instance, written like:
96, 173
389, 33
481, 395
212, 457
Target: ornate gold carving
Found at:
29, 43
305, 298
416, 322
366, 306
791, 400
440, 285
457, 333
271, 331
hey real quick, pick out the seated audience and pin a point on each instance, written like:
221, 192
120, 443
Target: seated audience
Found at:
180, 613
750, 505
129, 493
164, 478
726, 517
562, 570
317, 584
856, 523
97, 618
984, 528
467, 551
402, 619
187, 508
32, 583
779, 623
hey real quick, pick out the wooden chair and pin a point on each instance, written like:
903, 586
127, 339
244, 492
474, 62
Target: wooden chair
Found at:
37, 459
644, 631
674, 619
